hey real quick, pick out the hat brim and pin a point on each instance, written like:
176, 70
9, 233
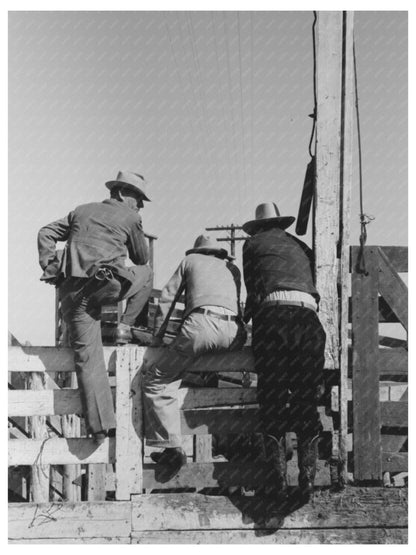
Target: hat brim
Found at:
282, 221
202, 250
111, 184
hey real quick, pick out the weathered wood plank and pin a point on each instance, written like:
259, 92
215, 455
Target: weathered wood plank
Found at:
96, 482
347, 135
49, 359
398, 257
69, 520
226, 474
394, 414
129, 414
219, 362
262, 537
393, 289
365, 377
395, 462
44, 403
60, 451
63, 541
226, 420
38, 431
328, 171
190, 398
393, 362
353, 507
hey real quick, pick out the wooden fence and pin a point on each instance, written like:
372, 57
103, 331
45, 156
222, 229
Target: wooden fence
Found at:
220, 424
379, 364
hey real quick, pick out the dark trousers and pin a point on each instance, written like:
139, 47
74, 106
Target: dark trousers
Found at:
81, 311
288, 345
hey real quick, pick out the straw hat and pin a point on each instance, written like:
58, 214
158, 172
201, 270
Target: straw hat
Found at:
129, 180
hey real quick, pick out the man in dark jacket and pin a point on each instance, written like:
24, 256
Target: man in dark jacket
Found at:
288, 341
92, 272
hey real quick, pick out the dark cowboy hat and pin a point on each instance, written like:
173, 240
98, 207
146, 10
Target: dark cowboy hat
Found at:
267, 213
129, 180
206, 245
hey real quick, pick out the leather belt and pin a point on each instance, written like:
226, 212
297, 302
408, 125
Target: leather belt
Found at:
208, 312
290, 303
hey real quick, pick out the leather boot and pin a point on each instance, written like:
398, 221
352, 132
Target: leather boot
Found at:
307, 457
276, 455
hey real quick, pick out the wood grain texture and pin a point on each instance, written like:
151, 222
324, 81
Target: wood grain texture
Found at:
354, 507
365, 380
69, 520
328, 171
393, 289
60, 451
265, 537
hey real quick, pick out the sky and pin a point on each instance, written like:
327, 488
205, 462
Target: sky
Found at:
211, 107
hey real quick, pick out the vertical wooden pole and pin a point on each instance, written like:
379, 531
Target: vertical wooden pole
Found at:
345, 217
365, 378
129, 414
328, 149
37, 424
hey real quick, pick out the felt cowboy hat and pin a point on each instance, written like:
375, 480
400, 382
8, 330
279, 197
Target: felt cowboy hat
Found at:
129, 180
206, 245
267, 213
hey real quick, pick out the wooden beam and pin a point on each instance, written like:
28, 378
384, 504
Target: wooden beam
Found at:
226, 420
49, 359
354, 507
394, 414
393, 289
365, 378
346, 161
263, 537
69, 520
129, 414
37, 426
60, 451
328, 171
44, 403
248, 473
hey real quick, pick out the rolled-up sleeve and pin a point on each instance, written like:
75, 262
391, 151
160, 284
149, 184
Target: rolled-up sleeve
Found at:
48, 236
137, 244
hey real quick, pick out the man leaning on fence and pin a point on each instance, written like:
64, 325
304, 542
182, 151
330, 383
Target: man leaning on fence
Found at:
211, 323
91, 272
288, 342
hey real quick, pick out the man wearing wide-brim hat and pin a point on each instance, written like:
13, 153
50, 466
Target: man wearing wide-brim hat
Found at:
211, 323
92, 272
288, 342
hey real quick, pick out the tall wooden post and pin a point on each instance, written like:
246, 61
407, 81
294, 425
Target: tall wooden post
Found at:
334, 136
328, 172
347, 115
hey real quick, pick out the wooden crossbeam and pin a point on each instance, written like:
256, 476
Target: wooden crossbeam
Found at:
392, 288
247, 473
60, 451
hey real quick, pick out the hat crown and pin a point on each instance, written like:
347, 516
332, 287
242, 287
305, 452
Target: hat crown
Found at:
267, 210
205, 242
131, 178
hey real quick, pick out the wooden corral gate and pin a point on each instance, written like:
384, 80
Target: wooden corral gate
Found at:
380, 364
119, 473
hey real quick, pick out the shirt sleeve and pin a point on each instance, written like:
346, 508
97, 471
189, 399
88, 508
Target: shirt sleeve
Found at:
137, 244
168, 295
237, 280
48, 236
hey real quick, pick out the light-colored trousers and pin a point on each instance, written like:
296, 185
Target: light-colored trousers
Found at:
199, 334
